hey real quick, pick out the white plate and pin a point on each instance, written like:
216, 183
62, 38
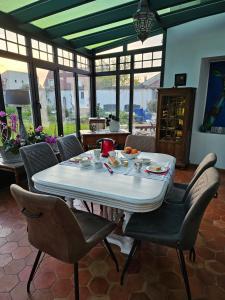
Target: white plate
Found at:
153, 170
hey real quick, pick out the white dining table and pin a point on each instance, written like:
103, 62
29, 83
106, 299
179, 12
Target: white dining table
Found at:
130, 193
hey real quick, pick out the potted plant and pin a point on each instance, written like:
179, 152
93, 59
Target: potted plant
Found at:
10, 139
38, 135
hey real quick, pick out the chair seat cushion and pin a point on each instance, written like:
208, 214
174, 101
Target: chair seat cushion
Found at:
159, 226
176, 195
93, 227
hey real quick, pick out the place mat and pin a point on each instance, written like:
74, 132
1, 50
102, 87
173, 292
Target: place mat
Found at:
130, 170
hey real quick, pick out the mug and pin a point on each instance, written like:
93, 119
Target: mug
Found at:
97, 153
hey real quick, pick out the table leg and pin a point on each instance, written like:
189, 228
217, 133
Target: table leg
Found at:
17, 177
124, 242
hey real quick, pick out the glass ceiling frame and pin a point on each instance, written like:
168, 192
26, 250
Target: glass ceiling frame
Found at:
89, 25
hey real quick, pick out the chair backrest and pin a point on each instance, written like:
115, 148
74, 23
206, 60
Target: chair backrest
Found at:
69, 146
52, 227
208, 161
195, 205
141, 142
36, 158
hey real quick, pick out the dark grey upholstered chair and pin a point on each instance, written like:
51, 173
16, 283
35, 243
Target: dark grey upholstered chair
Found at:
69, 146
36, 158
175, 225
181, 190
55, 229
143, 143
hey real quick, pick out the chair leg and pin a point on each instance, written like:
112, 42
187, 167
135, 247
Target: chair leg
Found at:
111, 254
87, 207
129, 258
76, 282
92, 207
184, 272
33, 270
192, 255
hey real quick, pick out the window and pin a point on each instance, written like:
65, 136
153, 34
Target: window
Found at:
83, 63
14, 75
46, 90
42, 50
84, 101
145, 102
68, 101
65, 57
125, 62
105, 64
106, 95
124, 100
12, 42
114, 50
153, 41
148, 60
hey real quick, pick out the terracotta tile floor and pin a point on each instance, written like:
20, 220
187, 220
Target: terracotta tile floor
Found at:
153, 275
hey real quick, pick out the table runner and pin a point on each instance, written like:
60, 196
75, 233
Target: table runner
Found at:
130, 170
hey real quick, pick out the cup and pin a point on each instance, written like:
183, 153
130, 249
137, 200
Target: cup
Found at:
112, 153
138, 165
97, 164
97, 153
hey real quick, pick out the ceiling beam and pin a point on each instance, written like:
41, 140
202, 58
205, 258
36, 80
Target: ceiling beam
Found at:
107, 35
103, 36
122, 42
193, 13
157, 5
44, 8
94, 20
104, 17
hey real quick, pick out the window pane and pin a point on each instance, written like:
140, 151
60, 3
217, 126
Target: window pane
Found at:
150, 42
46, 90
14, 76
12, 47
67, 89
2, 33
11, 36
124, 100
84, 100
2, 45
145, 102
21, 39
106, 95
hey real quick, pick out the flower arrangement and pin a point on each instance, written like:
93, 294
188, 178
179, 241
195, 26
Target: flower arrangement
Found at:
10, 139
38, 135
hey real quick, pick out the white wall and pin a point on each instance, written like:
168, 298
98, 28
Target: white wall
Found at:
190, 47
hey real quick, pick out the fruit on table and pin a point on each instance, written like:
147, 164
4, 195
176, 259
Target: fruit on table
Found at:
130, 150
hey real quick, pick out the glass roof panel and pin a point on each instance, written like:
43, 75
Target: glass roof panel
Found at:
98, 29
8, 6
77, 12
104, 43
183, 6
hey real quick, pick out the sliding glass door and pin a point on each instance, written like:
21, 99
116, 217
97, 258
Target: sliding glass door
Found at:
14, 76
68, 101
47, 99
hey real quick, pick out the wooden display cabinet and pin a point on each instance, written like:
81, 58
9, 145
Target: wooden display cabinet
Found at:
174, 122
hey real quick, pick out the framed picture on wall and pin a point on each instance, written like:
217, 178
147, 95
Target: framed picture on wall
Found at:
214, 117
180, 79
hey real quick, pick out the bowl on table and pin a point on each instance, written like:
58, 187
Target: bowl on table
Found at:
130, 155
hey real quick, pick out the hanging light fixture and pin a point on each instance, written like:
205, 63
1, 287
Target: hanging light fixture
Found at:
143, 20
